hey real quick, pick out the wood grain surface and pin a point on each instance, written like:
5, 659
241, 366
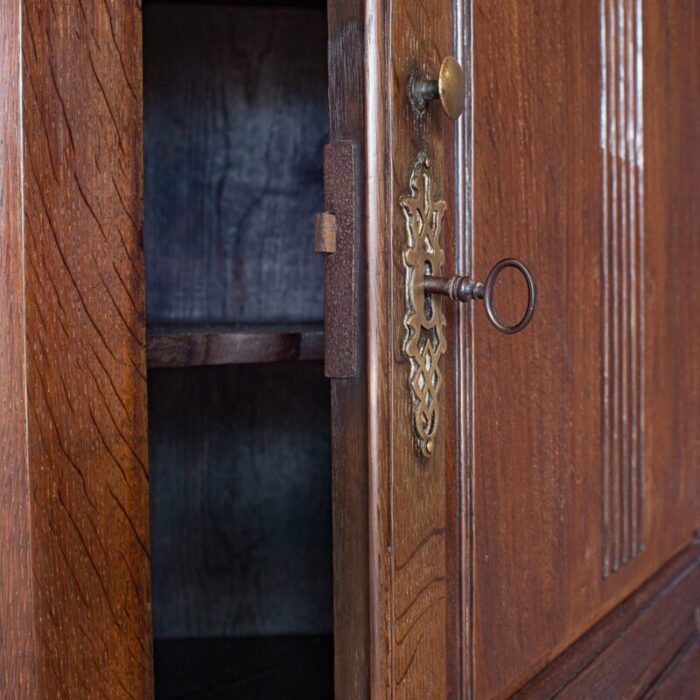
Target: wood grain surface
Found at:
672, 215
211, 345
643, 648
539, 528
236, 115
240, 500
415, 547
680, 678
74, 482
75, 536
563, 494
421, 493
537, 407
235, 122
18, 647
349, 418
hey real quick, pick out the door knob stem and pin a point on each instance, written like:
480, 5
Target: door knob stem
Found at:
450, 88
423, 91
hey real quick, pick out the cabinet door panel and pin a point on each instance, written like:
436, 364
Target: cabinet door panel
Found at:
585, 465
564, 470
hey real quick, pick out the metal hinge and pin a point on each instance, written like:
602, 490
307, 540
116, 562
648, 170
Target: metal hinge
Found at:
337, 236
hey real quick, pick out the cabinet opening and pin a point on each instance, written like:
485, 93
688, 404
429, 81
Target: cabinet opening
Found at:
235, 118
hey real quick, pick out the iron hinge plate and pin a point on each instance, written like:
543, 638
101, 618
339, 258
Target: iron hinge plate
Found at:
337, 235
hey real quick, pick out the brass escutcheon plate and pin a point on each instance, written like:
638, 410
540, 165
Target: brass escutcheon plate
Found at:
425, 342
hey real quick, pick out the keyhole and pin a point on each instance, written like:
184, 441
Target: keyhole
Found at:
427, 299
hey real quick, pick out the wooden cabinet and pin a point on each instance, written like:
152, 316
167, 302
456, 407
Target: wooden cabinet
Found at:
190, 506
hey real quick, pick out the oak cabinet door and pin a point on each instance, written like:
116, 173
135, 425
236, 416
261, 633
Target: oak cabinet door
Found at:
585, 464
515, 511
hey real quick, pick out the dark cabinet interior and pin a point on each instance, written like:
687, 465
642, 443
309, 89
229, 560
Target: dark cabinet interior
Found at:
235, 118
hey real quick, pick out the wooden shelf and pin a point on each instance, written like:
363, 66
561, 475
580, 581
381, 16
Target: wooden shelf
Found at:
244, 669
197, 346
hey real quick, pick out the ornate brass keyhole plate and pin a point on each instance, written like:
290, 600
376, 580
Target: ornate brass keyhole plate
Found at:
424, 342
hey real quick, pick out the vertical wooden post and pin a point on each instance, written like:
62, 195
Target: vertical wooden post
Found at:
74, 540
17, 663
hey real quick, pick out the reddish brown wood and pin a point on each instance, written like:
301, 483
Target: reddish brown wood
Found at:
672, 166
399, 638
17, 641
414, 541
680, 678
349, 430
74, 528
193, 347
73, 487
637, 646
537, 196
575, 505
584, 460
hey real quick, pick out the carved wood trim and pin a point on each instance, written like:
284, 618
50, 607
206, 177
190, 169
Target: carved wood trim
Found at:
464, 367
621, 134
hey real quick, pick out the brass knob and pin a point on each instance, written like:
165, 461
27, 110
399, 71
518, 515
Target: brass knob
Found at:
450, 87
